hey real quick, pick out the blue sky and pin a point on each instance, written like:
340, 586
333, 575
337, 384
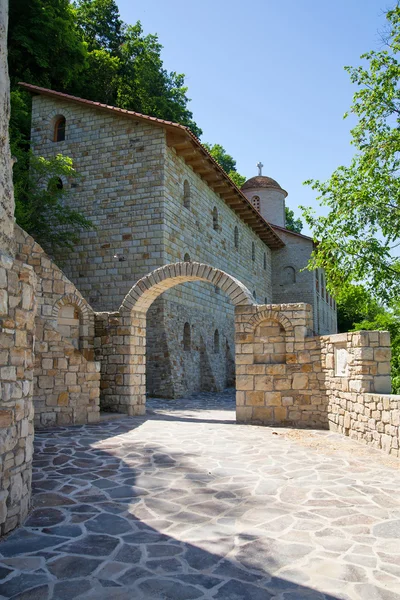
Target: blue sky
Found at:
266, 78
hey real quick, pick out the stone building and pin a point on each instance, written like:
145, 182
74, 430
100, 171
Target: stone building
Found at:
155, 196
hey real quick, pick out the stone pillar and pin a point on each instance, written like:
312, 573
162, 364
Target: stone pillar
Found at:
369, 364
17, 314
121, 348
277, 376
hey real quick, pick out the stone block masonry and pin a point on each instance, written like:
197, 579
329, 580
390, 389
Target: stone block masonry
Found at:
17, 314
278, 371
131, 185
66, 379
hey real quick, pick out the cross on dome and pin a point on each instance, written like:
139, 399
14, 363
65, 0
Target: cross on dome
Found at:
260, 166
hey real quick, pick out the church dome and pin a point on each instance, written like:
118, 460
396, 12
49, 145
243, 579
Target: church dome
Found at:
261, 181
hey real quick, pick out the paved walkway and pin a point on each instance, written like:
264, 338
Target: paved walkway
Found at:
185, 504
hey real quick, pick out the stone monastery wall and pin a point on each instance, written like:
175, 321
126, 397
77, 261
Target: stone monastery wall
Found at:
119, 186
190, 229
132, 186
292, 282
66, 379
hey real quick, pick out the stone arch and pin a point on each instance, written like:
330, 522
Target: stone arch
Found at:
147, 289
75, 301
80, 339
129, 395
268, 314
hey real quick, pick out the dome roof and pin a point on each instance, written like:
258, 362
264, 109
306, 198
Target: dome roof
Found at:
261, 181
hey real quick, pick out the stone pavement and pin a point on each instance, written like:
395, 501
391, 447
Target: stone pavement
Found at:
184, 504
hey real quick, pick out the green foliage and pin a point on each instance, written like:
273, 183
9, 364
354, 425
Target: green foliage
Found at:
227, 162
355, 304
125, 68
293, 224
44, 45
362, 227
358, 310
40, 208
388, 321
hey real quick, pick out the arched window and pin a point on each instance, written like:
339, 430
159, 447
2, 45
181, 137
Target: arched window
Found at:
265, 300
236, 237
186, 258
216, 289
253, 251
59, 129
216, 341
68, 323
215, 219
256, 202
55, 183
288, 275
265, 261
186, 194
186, 337
254, 295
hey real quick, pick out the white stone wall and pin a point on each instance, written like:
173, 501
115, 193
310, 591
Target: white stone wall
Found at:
272, 204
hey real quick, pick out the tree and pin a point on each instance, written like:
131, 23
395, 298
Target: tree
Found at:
292, 224
227, 162
39, 202
355, 304
125, 68
388, 320
44, 45
362, 227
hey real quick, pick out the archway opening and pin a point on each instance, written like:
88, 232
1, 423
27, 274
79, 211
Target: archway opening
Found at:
175, 352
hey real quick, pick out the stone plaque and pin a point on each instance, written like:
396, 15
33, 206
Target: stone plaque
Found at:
341, 362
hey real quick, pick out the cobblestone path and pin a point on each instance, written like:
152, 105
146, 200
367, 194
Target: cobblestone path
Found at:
185, 504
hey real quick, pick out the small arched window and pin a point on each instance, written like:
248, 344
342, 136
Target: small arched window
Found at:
59, 129
265, 300
236, 237
265, 261
254, 295
288, 275
253, 251
186, 337
215, 219
186, 258
186, 194
216, 289
55, 183
216, 341
256, 202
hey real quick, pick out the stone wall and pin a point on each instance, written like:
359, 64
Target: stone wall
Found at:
287, 377
279, 377
174, 371
356, 367
293, 282
17, 313
131, 185
66, 377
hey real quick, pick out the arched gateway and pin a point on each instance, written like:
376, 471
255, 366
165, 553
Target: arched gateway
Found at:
132, 394
273, 377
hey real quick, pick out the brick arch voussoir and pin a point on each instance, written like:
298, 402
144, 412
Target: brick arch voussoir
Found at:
75, 301
272, 315
146, 290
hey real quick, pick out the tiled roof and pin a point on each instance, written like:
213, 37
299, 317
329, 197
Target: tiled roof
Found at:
261, 181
